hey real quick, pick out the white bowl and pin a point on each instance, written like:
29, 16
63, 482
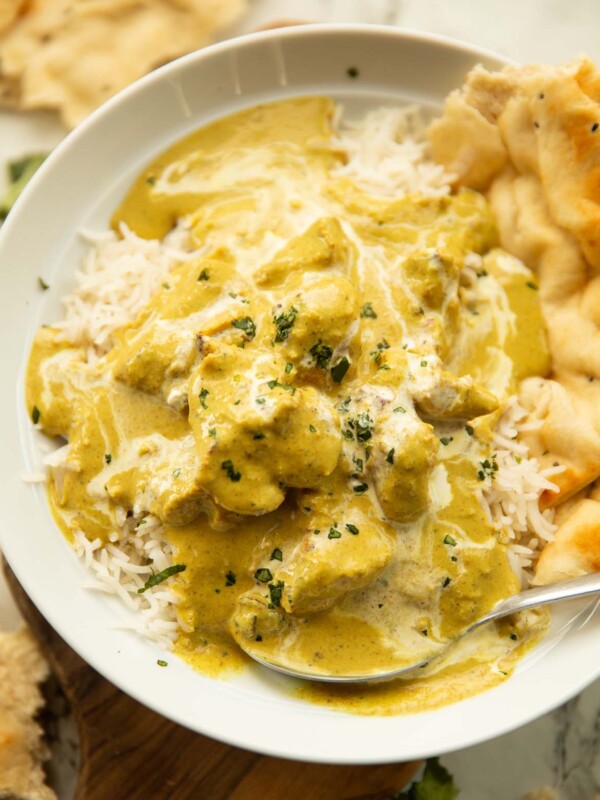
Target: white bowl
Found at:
77, 188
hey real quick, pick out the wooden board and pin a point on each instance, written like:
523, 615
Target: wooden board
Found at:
130, 753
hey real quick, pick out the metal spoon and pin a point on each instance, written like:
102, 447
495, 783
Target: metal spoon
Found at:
530, 598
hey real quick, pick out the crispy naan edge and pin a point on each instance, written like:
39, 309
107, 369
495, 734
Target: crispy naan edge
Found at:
22, 749
530, 138
72, 55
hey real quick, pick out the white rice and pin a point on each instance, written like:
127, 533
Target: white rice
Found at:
386, 156
513, 494
123, 566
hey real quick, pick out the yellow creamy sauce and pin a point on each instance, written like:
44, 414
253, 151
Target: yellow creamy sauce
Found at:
306, 406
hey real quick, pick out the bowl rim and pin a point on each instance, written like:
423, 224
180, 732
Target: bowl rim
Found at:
111, 672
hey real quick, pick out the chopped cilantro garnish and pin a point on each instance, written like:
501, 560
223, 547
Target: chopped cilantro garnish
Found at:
204, 275
260, 400
352, 528
368, 311
322, 354
230, 578
470, 430
286, 387
449, 540
212, 432
312, 429
247, 325
399, 410
445, 440
35, 415
230, 470
275, 592
288, 368
340, 369
361, 427
277, 555
108, 457
154, 580
390, 456
334, 534
446, 582
263, 575
284, 323
202, 397
162, 663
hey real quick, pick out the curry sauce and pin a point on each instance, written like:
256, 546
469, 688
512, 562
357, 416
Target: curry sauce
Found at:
306, 405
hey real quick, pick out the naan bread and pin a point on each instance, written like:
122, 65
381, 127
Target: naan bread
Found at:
22, 751
530, 138
72, 55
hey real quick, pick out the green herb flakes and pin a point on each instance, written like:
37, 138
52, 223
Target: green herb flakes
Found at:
277, 555
322, 354
107, 457
42, 284
35, 415
202, 397
204, 275
449, 540
230, 470
352, 528
263, 575
532, 285
312, 429
360, 488
275, 593
288, 368
230, 579
284, 323
162, 663
154, 580
340, 369
399, 410
470, 430
445, 440
390, 456
334, 534
368, 312
247, 325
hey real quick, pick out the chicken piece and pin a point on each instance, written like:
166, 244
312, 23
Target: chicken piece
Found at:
321, 246
440, 395
256, 618
404, 455
326, 566
316, 325
158, 476
157, 352
256, 434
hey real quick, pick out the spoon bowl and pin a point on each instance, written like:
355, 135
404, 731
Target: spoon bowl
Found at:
573, 589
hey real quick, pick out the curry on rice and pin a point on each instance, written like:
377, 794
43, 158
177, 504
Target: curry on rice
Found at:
307, 405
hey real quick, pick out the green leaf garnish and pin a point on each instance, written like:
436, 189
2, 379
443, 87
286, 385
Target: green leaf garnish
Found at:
154, 580
263, 575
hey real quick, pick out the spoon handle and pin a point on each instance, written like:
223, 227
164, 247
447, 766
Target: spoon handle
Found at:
542, 596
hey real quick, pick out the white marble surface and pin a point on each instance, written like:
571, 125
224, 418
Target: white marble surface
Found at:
562, 749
